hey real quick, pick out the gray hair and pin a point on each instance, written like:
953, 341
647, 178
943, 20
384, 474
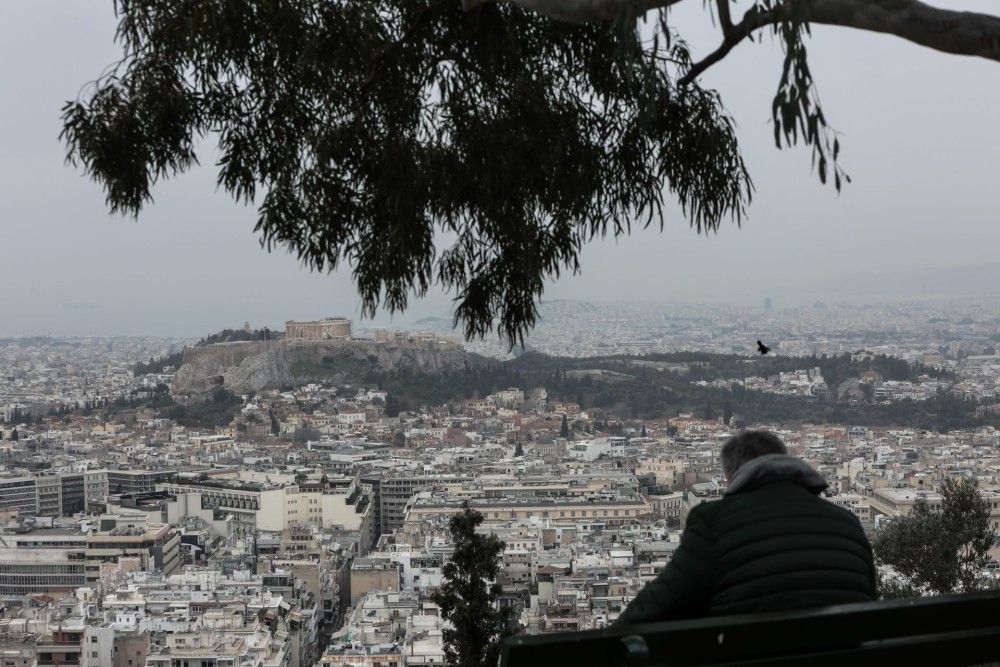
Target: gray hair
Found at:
746, 446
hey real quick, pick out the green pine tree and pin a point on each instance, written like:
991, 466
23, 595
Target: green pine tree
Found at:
468, 598
564, 429
938, 549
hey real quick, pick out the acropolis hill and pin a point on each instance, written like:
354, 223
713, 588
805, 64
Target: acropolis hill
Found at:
243, 367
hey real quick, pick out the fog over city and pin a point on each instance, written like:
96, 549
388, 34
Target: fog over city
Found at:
918, 133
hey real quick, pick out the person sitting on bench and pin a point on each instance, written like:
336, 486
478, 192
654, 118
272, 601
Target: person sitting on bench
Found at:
771, 543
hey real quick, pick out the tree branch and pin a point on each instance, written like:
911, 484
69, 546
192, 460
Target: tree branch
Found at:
752, 20
725, 20
956, 32
960, 33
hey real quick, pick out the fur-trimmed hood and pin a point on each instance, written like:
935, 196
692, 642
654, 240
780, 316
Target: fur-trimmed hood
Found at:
773, 468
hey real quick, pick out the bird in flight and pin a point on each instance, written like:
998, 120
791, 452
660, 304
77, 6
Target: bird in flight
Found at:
763, 349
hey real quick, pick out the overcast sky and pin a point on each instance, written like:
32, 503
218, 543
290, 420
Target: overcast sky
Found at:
919, 133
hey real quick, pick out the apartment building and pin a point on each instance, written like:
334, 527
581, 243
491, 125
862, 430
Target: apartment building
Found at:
146, 546
48, 560
255, 506
18, 497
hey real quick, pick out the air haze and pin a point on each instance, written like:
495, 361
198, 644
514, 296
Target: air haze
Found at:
919, 138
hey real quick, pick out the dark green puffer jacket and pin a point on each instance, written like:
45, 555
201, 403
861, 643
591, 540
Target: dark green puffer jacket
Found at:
770, 544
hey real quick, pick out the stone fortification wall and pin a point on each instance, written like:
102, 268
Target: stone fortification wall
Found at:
225, 354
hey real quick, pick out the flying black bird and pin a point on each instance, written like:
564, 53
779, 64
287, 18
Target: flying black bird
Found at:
763, 349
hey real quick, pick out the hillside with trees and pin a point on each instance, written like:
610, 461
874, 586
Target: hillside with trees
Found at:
662, 385
159, 364
240, 336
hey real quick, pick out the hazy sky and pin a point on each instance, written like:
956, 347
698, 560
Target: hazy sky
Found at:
919, 133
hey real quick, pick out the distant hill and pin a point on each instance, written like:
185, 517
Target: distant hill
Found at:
628, 388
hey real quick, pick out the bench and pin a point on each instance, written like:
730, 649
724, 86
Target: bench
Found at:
946, 630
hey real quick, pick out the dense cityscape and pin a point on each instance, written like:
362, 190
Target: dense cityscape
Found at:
499, 333
282, 498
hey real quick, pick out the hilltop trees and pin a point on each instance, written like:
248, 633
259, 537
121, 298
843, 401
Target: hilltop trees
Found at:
521, 129
158, 365
238, 335
469, 595
938, 549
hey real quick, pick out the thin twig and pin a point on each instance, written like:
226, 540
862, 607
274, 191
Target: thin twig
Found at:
752, 20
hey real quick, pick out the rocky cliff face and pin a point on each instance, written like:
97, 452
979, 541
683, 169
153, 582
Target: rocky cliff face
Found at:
287, 363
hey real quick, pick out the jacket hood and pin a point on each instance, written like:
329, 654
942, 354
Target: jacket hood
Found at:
773, 468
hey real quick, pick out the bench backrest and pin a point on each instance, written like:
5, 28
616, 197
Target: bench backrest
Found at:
966, 627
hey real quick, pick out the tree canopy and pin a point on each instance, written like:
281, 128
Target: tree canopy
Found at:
939, 549
474, 144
